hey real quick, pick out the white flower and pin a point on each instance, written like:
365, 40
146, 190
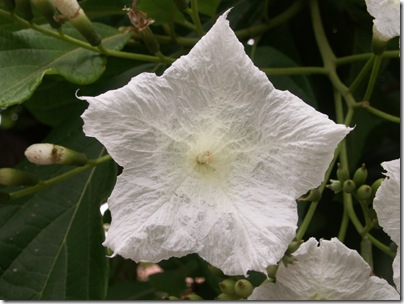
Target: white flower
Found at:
330, 271
213, 156
386, 24
387, 206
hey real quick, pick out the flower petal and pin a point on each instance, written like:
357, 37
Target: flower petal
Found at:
387, 17
387, 206
214, 157
330, 271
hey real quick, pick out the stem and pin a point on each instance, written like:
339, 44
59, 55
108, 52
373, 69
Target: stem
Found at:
306, 222
261, 28
366, 56
377, 112
373, 77
344, 226
56, 180
193, 13
85, 45
361, 75
295, 71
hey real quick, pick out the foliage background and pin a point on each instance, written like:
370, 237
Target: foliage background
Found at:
50, 241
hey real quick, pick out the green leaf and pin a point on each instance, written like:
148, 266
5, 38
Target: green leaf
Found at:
208, 7
161, 11
26, 56
268, 57
51, 242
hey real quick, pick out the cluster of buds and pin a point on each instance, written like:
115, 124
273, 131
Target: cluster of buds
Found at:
356, 185
234, 290
56, 13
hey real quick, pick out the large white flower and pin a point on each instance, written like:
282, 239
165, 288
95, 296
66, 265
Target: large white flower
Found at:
387, 206
330, 271
386, 24
213, 156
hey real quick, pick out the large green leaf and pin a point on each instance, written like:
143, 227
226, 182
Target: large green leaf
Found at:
26, 56
50, 242
299, 85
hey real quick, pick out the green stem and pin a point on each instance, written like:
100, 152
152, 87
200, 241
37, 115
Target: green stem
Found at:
194, 14
281, 18
306, 222
373, 77
56, 180
295, 71
359, 78
377, 112
344, 226
80, 43
365, 56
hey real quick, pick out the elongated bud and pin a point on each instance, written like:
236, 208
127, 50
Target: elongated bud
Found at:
376, 185
227, 286
243, 288
364, 192
15, 177
342, 174
348, 186
335, 185
24, 7
272, 270
226, 297
150, 40
46, 8
216, 271
49, 154
9, 4
4, 197
193, 297
360, 176
181, 4
72, 11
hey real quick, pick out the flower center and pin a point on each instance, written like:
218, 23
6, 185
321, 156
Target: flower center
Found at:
204, 158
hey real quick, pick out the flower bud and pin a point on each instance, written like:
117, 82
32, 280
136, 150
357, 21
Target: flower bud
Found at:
149, 40
227, 286
9, 4
243, 288
364, 192
360, 176
15, 177
335, 185
24, 7
376, 185
72, 11
181, 4
379, 42
342, 174
4, 197
288, 259
216, 271
226, 297
48, 154
272, 270
46, 8
192, 297
348, 186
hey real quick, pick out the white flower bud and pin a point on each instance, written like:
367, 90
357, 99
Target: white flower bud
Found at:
49, 154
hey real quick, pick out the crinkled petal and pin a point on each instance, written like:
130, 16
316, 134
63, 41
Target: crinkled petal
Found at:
387, 17
388, 209
213, 156
330, 271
